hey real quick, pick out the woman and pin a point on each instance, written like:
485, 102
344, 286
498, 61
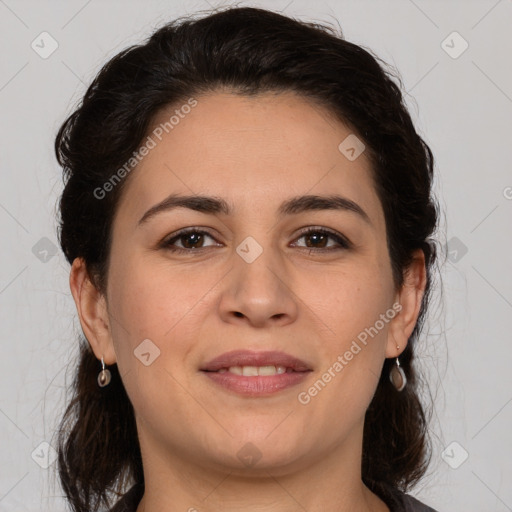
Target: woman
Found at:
248, 215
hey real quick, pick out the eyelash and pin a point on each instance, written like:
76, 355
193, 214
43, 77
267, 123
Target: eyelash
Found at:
343, 242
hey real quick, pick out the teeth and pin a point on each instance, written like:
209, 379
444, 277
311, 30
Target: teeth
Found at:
254, 371
249, 371
267, 370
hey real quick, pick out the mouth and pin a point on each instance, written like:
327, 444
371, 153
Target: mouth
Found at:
252, 364
256, 373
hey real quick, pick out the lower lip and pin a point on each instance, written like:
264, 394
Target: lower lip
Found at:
257, 385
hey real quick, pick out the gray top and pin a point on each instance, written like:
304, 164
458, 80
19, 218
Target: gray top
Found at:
395, 500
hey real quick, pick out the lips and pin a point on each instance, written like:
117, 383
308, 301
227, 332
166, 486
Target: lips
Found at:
241, 358
256, 374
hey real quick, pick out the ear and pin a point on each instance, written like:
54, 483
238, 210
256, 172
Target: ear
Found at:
409, 297
92, 310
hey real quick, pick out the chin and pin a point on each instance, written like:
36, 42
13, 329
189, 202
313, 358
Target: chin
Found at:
261, 453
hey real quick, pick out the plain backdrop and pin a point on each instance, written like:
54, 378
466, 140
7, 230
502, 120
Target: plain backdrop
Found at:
454, 60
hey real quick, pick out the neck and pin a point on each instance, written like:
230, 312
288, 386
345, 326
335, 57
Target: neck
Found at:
332, 483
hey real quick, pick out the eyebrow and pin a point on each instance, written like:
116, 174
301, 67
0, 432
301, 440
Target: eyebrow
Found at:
293, 206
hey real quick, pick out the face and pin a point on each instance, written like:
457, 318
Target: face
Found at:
268, 273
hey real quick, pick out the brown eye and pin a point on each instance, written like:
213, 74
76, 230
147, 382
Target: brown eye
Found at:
190, 240
317, 238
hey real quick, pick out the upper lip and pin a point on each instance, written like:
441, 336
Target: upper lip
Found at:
251, 358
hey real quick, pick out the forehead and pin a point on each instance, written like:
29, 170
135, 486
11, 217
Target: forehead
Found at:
249, 150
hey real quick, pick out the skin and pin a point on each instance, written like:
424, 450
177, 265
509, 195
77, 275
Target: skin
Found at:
311, 303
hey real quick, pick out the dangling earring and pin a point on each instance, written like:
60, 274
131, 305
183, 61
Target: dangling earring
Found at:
104, 375
397, 375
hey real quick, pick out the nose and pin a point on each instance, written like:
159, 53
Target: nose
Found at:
259, 293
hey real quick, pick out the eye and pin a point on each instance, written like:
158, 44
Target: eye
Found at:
317, 239
191, 239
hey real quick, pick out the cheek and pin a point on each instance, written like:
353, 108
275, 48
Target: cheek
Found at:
148, 303
150, 300
352, 307
348, 302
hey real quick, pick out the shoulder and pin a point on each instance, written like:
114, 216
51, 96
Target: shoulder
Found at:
402, 502
411, 504
399, 501
130, 501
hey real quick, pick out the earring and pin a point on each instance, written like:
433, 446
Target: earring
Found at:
104, 375
397, 375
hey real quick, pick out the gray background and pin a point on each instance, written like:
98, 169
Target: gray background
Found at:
462, 106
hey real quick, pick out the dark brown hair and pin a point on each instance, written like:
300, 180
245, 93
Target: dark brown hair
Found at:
246, 51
